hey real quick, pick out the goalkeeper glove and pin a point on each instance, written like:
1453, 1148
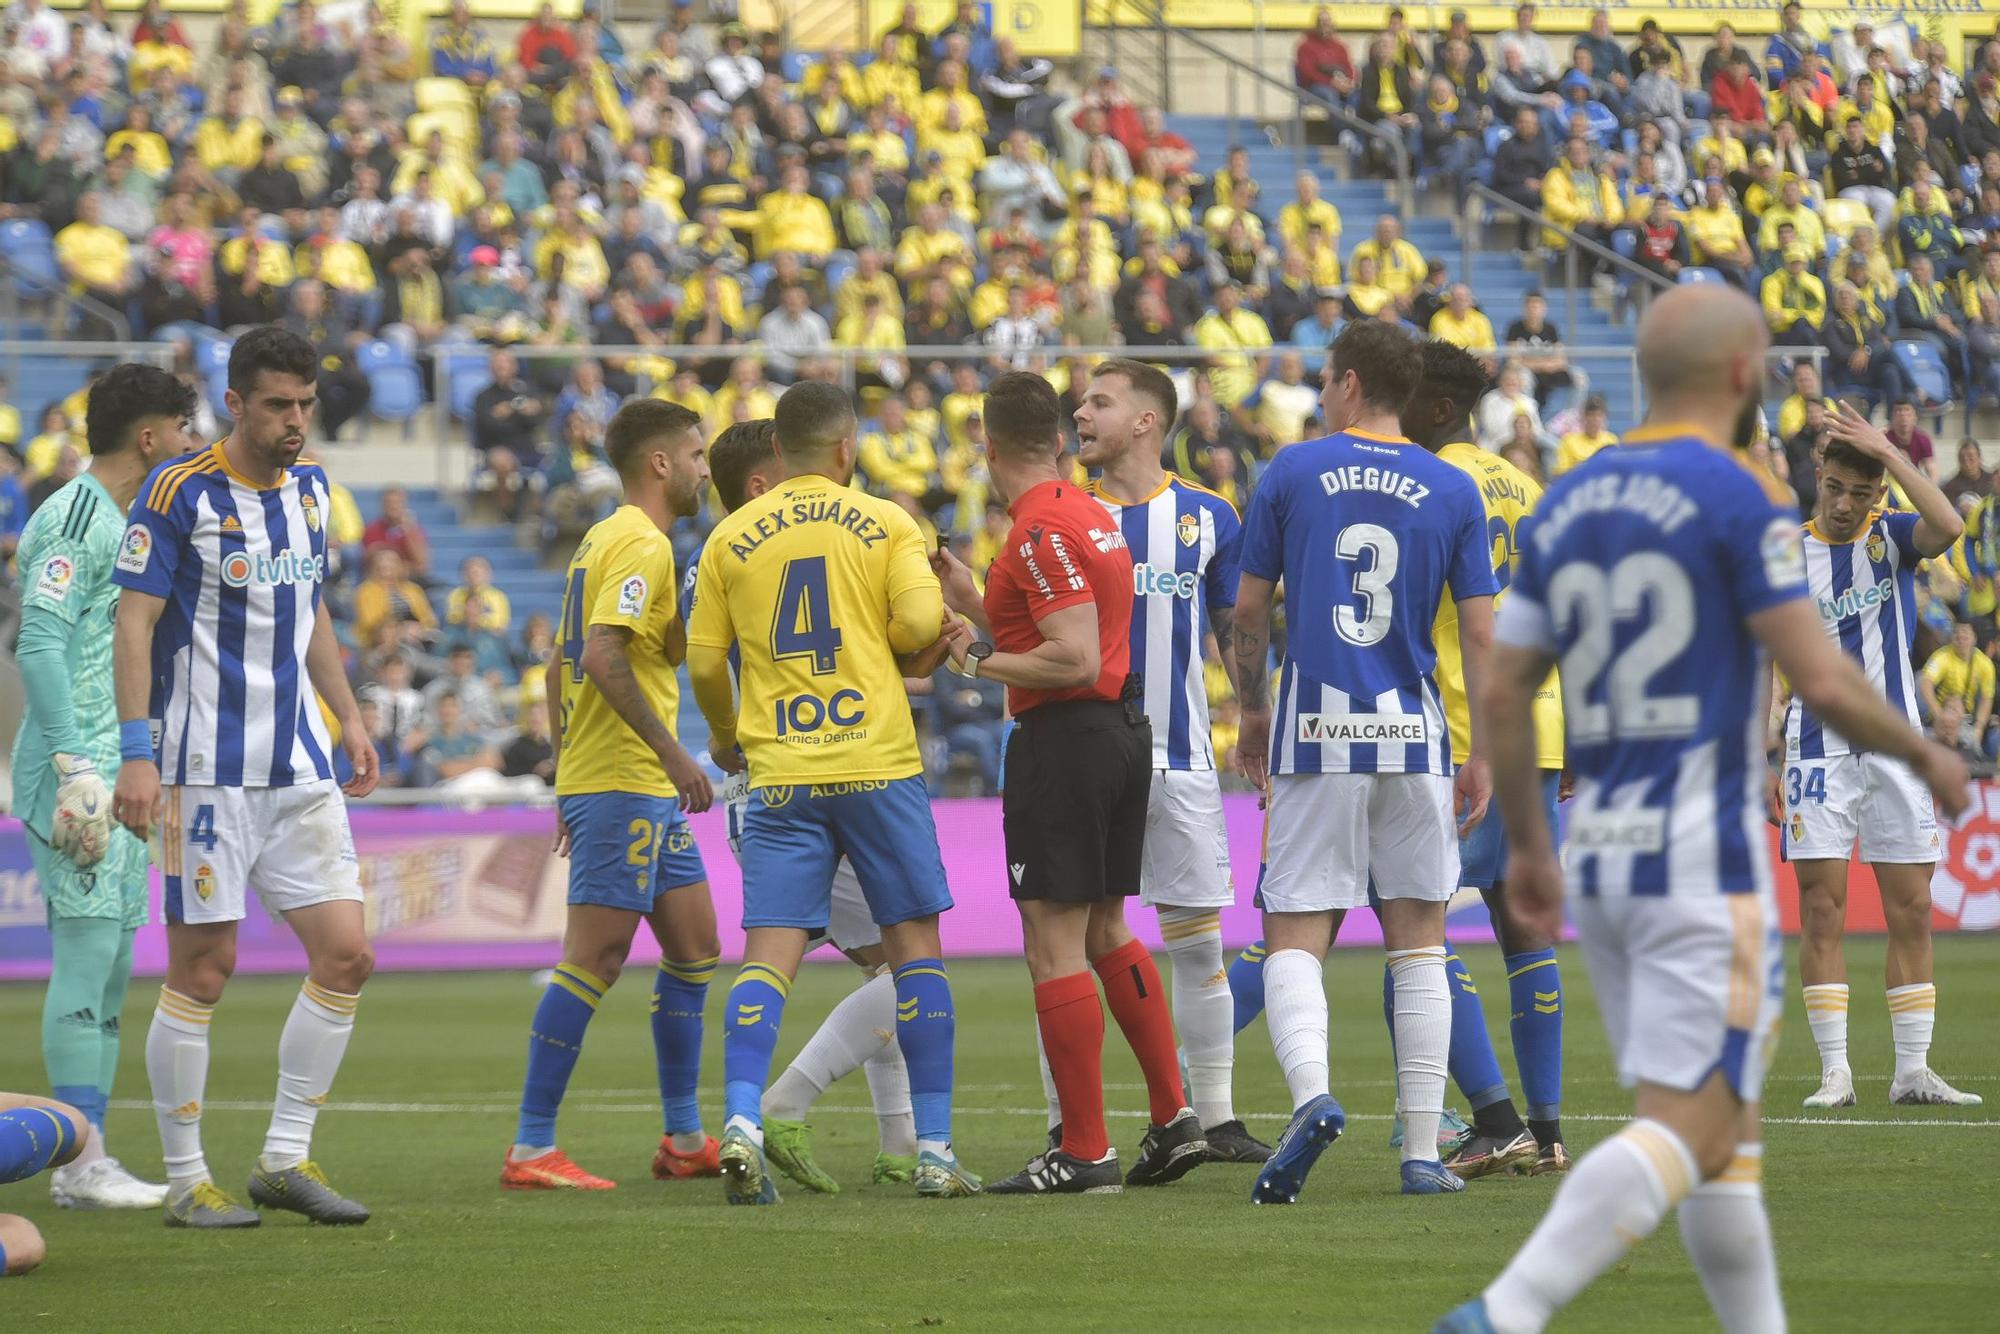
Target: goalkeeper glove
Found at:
82, 826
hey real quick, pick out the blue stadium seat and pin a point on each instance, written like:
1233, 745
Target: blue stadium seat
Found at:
396, 391
18, 234
1923, 365
211, 356
36, 273
1690, 276
378, 353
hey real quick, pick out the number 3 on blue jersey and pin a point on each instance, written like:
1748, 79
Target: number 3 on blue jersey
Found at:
803, 626
1373, 582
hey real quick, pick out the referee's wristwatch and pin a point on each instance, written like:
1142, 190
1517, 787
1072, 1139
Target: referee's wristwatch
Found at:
978, 651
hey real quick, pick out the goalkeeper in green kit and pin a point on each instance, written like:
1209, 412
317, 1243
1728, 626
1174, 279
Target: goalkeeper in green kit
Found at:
92, 871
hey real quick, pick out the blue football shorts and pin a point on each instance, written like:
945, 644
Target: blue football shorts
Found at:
627, 849
793, 836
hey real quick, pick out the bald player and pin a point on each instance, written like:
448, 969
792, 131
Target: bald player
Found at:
1660, 578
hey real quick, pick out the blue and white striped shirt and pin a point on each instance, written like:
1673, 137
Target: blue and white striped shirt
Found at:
1185, 540
1866, 591
240, 568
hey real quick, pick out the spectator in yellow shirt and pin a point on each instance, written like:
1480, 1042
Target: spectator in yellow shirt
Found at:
950, 92
1577, 196
889, 76
1959, 679
1794, 298
1240, 339
1576, 446
1715, 231
961, 150
745, 391
476, 606
873, 328
1460, 322
930, 250
1399, 265
95, 258
231, 143
898, 460
1808, 232
1306, 209
584, 265
1241, 204
150, 152
792, 218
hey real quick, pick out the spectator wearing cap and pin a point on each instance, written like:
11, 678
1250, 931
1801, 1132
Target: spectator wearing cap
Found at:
1593, 435
1794, 300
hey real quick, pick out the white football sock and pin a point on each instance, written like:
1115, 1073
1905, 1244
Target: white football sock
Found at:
889, 1089
309, 1051
1204, 1011
1728, 1236
1050, 1097
1826, 1015
1612, 1200
1912, 1016
1423, 1045
854, 1032
177, 1069
1295, 1010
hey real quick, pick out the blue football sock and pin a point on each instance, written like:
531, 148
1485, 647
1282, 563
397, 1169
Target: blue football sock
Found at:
680, 994
926, 1027
1534, 985
555, 1040
1246, 985
30, 1139
86, 1098
1474, 1067
749, 1036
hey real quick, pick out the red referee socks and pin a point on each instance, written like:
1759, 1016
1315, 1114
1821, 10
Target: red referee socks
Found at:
1072, 1024
1139, 1004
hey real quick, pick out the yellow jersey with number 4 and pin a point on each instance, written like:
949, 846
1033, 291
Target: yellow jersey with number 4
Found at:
1509, 495
621, 575
810, 581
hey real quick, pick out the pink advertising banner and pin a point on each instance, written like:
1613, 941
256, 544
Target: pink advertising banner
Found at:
483, 889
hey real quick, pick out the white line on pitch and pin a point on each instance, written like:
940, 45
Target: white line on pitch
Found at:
494, 1108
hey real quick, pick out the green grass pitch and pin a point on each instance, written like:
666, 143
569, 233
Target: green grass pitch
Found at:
1885, 1218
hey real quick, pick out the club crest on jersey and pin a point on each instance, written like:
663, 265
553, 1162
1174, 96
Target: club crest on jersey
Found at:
1878, 547
57, 573
204, 881
311, 507
1188, 530
136, 551
632, 596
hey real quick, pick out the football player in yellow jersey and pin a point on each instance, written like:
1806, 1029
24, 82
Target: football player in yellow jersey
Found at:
828, 596
622, 783
1438, 419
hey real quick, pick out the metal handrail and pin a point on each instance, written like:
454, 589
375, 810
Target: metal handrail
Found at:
1399, 154
1575, 243
114, 318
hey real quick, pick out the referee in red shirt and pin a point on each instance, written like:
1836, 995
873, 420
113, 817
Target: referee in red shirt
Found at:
1054, 626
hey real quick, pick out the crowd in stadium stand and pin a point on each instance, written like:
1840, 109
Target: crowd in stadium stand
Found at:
561, 209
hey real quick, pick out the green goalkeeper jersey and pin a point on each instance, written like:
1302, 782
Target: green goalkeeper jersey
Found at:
67, 602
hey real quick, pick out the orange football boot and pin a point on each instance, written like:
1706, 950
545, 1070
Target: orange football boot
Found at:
670, 1164
552, 1171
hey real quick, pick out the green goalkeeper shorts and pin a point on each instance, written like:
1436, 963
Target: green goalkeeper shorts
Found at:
115, 887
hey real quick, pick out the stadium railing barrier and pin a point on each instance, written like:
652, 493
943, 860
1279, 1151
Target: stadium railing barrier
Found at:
1637, 277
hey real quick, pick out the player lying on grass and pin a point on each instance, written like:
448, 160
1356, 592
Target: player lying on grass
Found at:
622, 782
35, 1134
1833, 794
826, 597
225, 647
92, 872
1660, 574
860, 1032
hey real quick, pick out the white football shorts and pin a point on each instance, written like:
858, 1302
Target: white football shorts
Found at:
1187, 843
1325, 834
291, 844
849, 923
1687, 986
1831, 803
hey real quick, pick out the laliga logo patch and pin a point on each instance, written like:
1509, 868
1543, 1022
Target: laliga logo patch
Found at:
1188, 530
136, 551
204, 881
55, 579
632, 596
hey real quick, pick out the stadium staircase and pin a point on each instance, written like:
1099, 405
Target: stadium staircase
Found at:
1499, 278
